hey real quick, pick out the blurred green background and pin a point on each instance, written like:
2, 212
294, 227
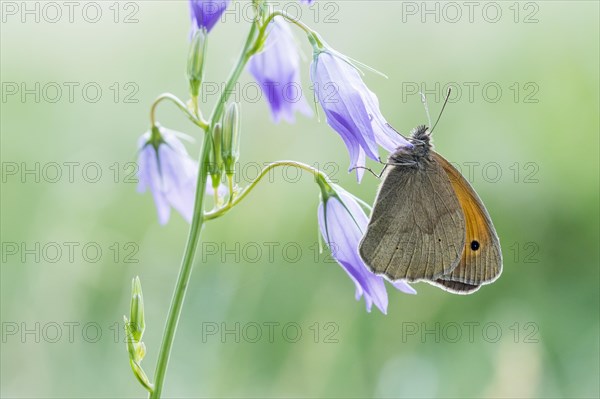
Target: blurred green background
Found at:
540, 133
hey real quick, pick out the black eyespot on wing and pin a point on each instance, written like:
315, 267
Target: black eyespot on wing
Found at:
475, 245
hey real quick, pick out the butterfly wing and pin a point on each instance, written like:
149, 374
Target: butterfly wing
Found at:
481, 261
455, 287
417, 228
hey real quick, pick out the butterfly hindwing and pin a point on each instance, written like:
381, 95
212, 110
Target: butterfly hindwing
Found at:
481, 260
455, 287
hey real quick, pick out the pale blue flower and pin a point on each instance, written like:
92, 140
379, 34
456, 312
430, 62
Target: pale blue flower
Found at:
206, 13
352, 109
167, 170
343, 223
277, 70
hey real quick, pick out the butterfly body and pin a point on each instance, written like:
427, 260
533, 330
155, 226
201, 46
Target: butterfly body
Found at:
428, 224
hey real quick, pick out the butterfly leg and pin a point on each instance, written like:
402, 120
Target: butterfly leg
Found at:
370, 170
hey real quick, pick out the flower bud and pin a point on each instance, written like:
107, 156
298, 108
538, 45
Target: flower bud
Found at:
137, 324
137, 351
230, 140
140, 351
141, 376
215, 161
134, 329
195, 66
129, 340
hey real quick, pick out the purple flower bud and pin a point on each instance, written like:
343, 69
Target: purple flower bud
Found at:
166, 168
206, 13
352, 109
277, 71
307, 1
343, 223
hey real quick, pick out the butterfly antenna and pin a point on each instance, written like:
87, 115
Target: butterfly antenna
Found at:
424, 101
394, 129
442, 111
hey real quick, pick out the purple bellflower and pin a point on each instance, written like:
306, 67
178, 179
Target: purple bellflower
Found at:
343, 223
206, 13
352, 109
167, 170
277, 71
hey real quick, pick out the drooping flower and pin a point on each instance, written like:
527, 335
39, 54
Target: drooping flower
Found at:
206, 13
352, 109
277, 71
167, 170
343, 223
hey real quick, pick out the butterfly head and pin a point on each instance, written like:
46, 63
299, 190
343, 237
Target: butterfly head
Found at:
420, 138
420, 135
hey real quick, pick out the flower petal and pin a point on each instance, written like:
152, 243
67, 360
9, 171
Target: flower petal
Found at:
170, 175
342, 222
404, 287
277, 71
206, 13
149, 178
352, 109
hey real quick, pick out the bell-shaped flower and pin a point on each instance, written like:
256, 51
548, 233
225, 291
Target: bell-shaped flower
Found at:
206, 13
167, 170
352, 109
343, 222
277, 70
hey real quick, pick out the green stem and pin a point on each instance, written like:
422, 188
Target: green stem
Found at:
197, 120
233, 77
195, 107
184, 273
230, 185
198, 218
289, 18
265, 25
319, 176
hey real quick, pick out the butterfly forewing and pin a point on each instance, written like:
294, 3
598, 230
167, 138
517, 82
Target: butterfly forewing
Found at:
481, 260
417, 228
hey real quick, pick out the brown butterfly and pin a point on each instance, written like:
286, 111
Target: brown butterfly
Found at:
429, 224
